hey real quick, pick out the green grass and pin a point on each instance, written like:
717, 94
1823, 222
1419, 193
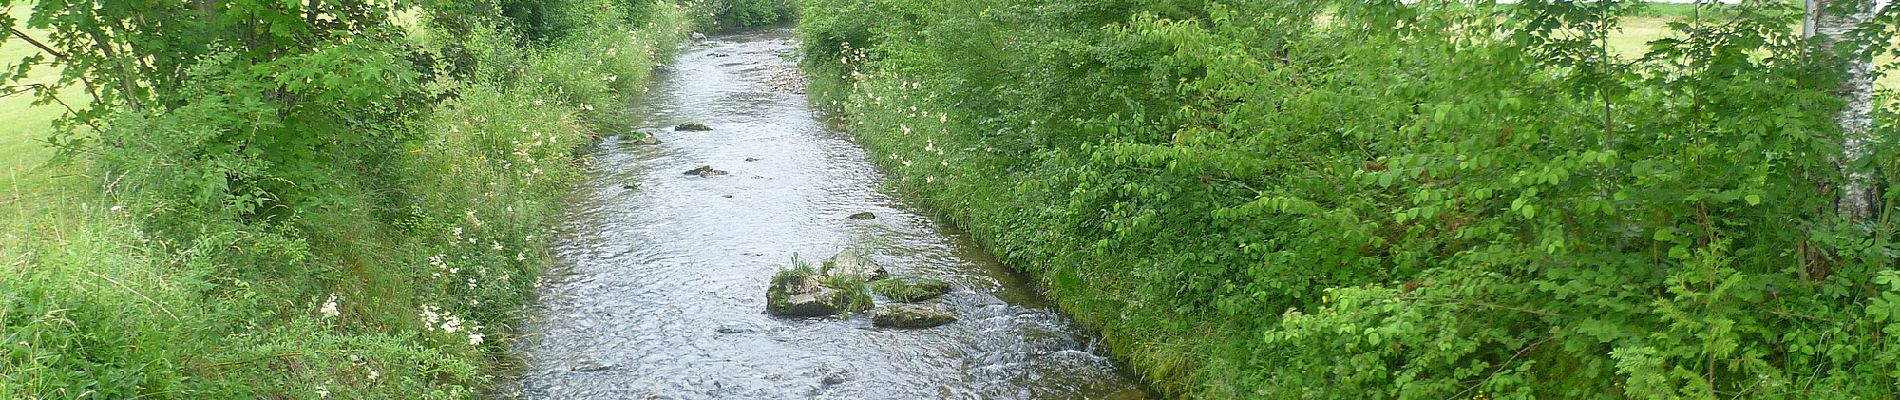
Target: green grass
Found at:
1636, 33
29, 186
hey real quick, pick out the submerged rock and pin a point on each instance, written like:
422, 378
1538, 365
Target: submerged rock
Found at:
909, 317
850, 265
641, 138
751, 159
705, 171
692, 127
863, 216
910, 290
592, 366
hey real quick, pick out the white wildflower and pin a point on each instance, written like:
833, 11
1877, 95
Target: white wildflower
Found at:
329, 307
429, 317
323, 392
474, 339
451, 324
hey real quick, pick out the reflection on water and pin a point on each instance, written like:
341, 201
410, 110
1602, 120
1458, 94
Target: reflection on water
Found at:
661, 287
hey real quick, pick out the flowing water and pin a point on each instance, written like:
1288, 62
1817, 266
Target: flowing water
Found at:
660, 289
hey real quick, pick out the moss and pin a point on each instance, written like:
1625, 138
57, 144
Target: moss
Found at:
910, 290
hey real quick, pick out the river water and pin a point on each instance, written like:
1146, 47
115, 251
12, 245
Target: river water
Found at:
659, 291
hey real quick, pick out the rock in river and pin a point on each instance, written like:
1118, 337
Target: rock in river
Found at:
850, 264
910, 290
692, 127
705, 171
799, 293
909, 317
641, 138
863, 216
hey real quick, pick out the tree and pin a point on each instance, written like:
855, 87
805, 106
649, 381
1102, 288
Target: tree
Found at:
1834, 22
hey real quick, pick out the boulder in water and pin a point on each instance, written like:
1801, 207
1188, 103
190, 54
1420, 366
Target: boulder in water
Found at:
910, 290
863, 216
909, 317
705, 171
692, 127
849, 265
799, 292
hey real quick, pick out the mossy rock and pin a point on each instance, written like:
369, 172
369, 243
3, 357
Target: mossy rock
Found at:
641, 138
910, 290
801, 293
692, 127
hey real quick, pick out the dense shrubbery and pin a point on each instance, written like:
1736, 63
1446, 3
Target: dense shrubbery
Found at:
1388, 200
739, 14
348, 203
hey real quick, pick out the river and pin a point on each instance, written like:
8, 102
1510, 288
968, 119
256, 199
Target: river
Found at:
659, 288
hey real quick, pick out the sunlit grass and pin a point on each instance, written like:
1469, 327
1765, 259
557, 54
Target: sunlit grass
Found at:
38, 200
1633, 40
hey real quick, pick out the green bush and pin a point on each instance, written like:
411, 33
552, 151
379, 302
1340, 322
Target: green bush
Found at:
1392, 200
726, 15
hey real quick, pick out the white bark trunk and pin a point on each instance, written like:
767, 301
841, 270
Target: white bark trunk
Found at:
1858, 199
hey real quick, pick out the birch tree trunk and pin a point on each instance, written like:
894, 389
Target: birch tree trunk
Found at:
1834, 22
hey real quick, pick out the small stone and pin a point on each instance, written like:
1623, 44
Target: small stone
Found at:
831, 379
629, 187
732, 329
863, 216
726, 196
692, 127
705, 171
751, 159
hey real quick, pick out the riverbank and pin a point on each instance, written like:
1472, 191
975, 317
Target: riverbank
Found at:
399, 274
1298, 200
